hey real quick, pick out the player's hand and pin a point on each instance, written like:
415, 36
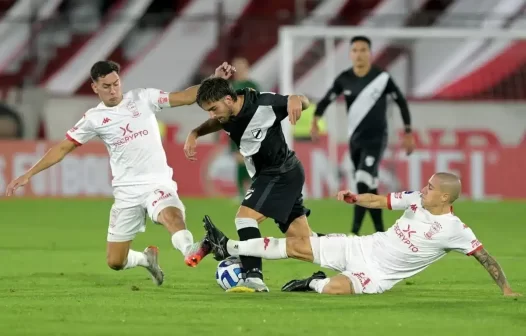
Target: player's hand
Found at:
15, 184
224, 71
190, 146
315, 129
408, 143
294, 108
347, 196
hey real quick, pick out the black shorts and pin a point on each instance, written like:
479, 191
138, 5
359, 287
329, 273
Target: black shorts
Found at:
278, 196
366, 161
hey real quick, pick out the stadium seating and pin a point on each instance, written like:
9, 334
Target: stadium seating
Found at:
251, 31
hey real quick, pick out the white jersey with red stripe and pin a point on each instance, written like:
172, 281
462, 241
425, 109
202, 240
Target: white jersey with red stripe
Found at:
131, 134
416, 240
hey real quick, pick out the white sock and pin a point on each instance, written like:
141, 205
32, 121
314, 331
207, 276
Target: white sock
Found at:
266, 248
136, 259
318, 284
182, 240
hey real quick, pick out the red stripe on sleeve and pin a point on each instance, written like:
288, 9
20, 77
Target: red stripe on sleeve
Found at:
73, 140
475, 250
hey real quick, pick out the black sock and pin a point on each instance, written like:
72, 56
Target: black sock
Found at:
252, 266
359, 212
376, 215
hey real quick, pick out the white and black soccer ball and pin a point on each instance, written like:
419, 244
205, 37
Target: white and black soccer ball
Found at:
229, 272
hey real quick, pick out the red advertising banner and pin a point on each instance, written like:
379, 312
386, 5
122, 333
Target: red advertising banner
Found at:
487, 168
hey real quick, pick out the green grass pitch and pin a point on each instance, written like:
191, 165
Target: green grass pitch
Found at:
54, 280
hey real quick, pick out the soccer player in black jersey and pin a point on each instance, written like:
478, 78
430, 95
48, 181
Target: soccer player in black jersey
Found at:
253, 121
366, 88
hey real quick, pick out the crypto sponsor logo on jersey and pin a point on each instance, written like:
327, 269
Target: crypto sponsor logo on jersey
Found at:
405, 237
129, 135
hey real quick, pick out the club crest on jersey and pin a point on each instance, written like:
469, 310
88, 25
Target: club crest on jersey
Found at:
257, 133
435, 228
132, 107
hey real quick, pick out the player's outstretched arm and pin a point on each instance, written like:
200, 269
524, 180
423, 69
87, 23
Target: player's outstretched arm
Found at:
364, 200
495, 271
52, 157
209, 126
188, 96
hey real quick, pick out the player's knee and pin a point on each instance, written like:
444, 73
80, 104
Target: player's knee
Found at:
299, 248
117, 254
338, 285
115, 263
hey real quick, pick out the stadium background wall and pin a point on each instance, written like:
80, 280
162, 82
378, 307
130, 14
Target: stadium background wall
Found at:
491, 162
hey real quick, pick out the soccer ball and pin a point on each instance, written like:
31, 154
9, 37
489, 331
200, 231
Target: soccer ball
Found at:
229, 272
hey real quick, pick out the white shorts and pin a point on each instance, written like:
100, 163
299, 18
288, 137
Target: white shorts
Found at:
344, 254
133, 203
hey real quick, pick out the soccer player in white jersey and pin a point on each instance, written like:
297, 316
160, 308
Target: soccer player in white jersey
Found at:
142, 180
425, 232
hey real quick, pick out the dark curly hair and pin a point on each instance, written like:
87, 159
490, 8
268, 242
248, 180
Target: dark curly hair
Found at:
214, 89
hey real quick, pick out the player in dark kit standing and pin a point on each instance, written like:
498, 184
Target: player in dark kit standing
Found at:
253, 121
366, 88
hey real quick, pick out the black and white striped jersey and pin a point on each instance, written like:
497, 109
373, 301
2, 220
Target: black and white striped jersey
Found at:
257, 132
366, 100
